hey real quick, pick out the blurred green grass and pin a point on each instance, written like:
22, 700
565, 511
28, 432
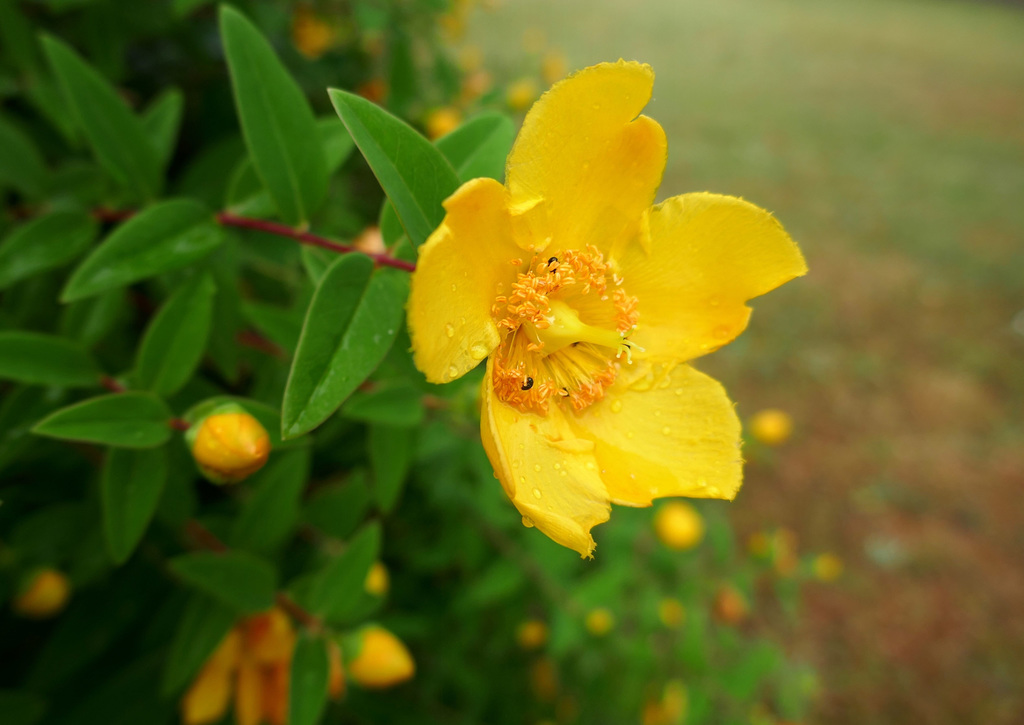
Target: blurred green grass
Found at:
889, 138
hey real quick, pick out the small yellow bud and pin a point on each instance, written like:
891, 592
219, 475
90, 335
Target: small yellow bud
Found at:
474, 85
553, 67
229, 445
730, 606
532, 634
827, 567
471, 58
377, 580
521, 94
442, 121
381, 659
678, 525
599, 622
772, 427
671, 613
45, 594
310, 33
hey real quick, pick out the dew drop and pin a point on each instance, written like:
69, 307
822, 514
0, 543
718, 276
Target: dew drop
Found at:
454, 287
702, 483
714, 491
591, 465
536, 467
449, 330
537, 493
629, 434
522, 480
478, 351
557, 466
565, 473
453, 372
516, 463
657, 414
616, 406
528, 522
679, 391
714, 302
666, 430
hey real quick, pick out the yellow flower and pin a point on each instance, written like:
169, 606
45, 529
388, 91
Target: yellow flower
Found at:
521, 94
587, 302
678, 525
229, 445
772, 427
827, 567
377, 579
532, 634
671, 613
310, 33
730, 606
553, 66
44, 595
599, 622
381, 660
442, 121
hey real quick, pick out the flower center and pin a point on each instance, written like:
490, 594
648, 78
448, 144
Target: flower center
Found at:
565, 332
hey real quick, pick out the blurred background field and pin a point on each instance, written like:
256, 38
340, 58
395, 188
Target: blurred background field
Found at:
889, 138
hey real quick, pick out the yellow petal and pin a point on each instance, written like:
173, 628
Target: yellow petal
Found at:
672, 432
249, 695
706, 255
550, 474
207, 700
586, 165
456, 280
269, 637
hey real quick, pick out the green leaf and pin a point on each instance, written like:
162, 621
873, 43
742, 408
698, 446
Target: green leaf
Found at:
175, 339
202, 626
185, 7
168, 235
390, 455
130, 491
337, 141
413, 173
88, 321
126, 420
32, 357
316, 261
281, 326
310, 675
238, 580
277, 122
269, 516
21, 165
337, 510
394, 405
21, 708
351, 322
479, 147
116, 136
44, 243
338, 587
161, 121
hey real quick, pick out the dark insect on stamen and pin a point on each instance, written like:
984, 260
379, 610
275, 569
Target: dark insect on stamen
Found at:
528, 384
565, 392
553, 260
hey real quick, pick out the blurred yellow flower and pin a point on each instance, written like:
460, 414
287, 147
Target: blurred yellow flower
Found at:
534, 40
730, 606
471, 58
587, 302
442, 121
771, 426
759, 545
544, 679
377, 579
44, 595
553, 66
784, 551
312, 35
670, 708
678, 525
229, 445
380, 659
671, 613
599, 621
827, 567
532, 634
521, 94
474, 85
254, 663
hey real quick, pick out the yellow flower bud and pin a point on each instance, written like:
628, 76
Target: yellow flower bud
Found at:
310, 33
553, 67
471, 58
381, 659
827, 567
521, 94
678, 525
771, 426
730, 606
671, 613
45, 594
532, 634
442, 121
229, 445
599, 622
377, 580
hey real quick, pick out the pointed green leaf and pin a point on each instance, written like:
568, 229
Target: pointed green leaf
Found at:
277, 121
165, 236
88, 321
350, 325
116, 136
240, 581
269, 516
480, 146
32, 357
126, 420
338, 509
176, 338
340, 584
390, 451
201, 628
394, 405
161, 120
44, 243
310, 674
21, 165
130, 491
413, 173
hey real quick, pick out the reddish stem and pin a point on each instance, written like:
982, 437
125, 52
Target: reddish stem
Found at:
112, 385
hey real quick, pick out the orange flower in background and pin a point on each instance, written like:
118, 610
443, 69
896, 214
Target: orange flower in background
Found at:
311, 34
44, 595
253, 662
587, 303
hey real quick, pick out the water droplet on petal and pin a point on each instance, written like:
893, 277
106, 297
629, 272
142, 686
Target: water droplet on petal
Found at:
666, 430
557, 466
629, 434
528, 522
454, 287
714, 491
702, 483
478, 351
616, 406
536, 467
516, 463
679, 391
714, 301
453, 372
537, 493
449, 330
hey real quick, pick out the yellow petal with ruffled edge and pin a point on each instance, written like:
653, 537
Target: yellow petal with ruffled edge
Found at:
207, 699
249, 695
586, 165
706, 255
457, 276
549, 474
670, 432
